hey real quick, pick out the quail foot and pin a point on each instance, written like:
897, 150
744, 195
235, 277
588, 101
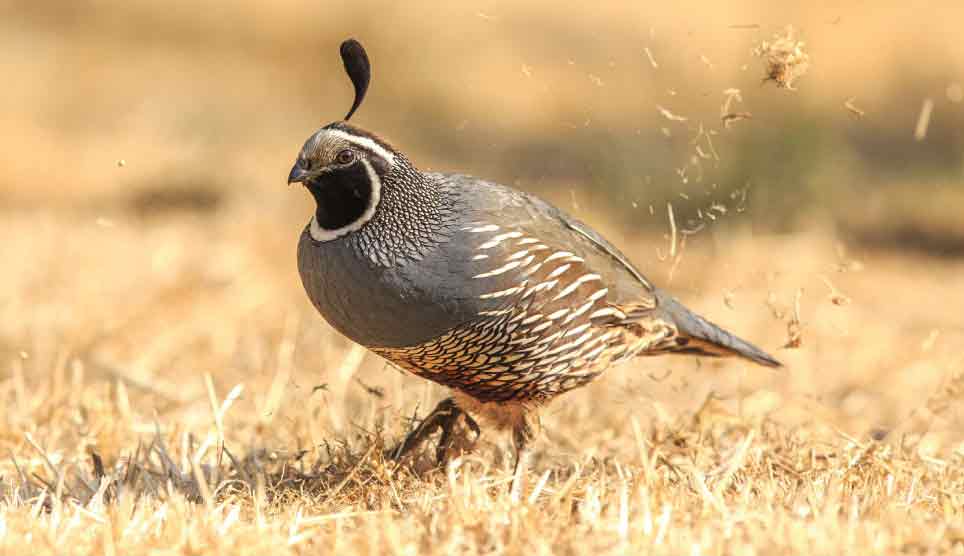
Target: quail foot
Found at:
492, 292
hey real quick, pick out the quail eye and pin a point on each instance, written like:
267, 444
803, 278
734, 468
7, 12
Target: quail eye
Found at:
345, 157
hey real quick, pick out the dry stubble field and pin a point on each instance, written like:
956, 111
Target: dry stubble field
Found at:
167, 389
141, 355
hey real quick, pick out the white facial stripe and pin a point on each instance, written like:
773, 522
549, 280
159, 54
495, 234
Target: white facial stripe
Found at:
320, 234
364, 142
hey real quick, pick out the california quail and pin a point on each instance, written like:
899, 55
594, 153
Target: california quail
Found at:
490, 291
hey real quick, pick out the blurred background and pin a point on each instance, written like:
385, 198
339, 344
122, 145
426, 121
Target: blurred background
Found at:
207, 104
149, 236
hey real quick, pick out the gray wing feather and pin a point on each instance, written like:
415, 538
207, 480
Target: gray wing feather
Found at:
629, 286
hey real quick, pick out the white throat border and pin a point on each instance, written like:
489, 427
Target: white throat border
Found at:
322, 235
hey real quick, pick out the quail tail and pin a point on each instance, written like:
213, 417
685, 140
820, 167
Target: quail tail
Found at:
702, 337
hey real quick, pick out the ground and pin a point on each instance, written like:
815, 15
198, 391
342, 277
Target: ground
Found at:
167, 389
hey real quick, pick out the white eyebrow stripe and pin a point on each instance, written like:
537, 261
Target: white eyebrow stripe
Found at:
364, 142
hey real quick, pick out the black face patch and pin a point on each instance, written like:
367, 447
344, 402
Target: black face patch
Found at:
342, 195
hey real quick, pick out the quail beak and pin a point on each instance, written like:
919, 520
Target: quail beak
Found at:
298, 174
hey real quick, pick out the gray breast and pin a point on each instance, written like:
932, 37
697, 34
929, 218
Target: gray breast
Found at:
405, 304
456, 275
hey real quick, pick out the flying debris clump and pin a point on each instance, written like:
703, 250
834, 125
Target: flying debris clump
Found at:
727, 115
784, 59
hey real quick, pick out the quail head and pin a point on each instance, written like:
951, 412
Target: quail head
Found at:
477, 286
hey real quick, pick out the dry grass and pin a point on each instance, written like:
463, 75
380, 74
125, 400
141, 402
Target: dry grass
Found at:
165, 387
180, 353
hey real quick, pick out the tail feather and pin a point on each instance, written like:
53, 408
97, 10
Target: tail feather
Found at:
699, 336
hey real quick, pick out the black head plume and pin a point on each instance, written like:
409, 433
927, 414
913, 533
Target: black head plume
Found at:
359, 70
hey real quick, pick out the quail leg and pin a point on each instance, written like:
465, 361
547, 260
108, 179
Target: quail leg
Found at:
446, 417
522, 435
452, 433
